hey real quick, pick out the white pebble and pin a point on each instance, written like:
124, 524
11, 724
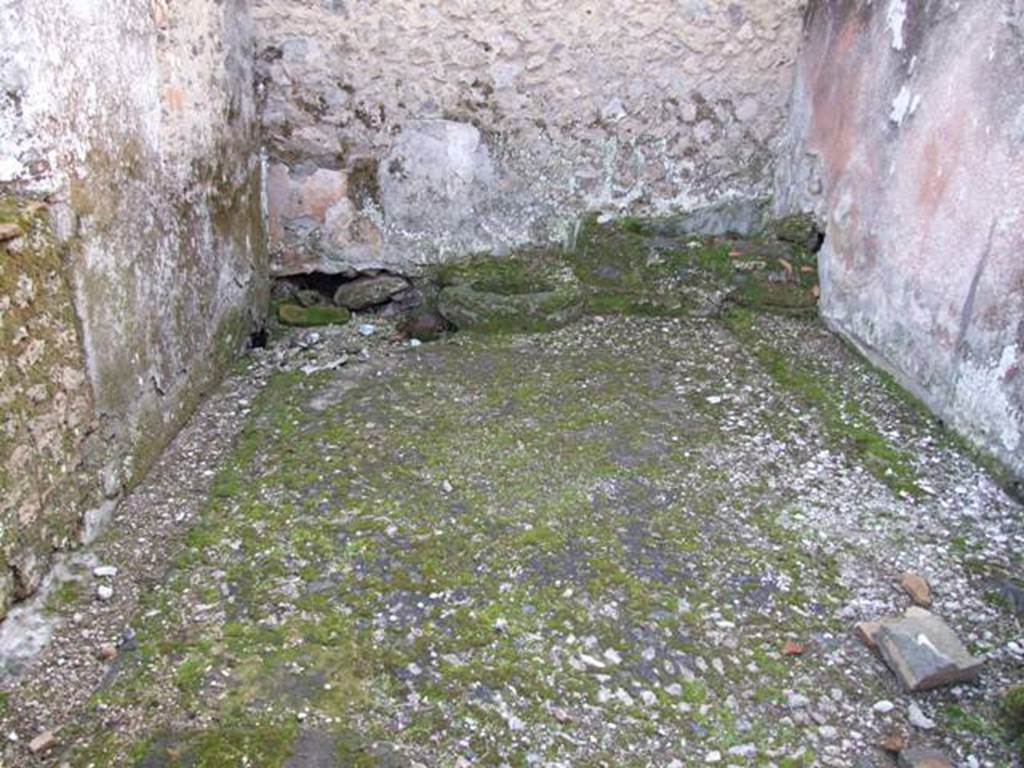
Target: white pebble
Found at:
918, 719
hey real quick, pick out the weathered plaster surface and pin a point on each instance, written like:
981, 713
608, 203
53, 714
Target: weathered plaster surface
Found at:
401, 132
133, 121
908, 138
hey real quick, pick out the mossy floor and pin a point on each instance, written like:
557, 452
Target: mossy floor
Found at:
587, 547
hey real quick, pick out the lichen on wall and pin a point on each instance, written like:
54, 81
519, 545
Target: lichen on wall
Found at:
404, 133
133, 123
905, 137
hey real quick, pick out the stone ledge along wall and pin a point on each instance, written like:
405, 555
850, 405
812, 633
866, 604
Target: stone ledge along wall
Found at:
401, 133
133, 250
907, 138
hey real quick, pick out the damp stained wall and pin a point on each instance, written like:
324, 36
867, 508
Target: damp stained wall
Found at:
907, 137
128, 128
404, 133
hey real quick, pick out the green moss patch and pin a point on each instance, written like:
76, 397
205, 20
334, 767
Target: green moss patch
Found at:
1013, 711
846, 424
532, 291
309, 317
641, 267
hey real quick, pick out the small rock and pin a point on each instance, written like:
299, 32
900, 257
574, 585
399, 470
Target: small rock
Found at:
920, 757
41, 743
590, 661
561, 715
104, 571
797, 701
309, 298
793, 648
918, 589
9, 231
447, 487
366, 292
424, 326
918, 719
367, 329
106, 652
924, 652
104, 592
713, 757
743, 750
884, 707
828, 732
895, 742
612, 656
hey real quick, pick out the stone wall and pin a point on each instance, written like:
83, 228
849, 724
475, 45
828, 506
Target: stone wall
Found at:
907, 137
399, 133
128, 132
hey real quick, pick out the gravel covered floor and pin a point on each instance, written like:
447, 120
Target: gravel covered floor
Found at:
587, 547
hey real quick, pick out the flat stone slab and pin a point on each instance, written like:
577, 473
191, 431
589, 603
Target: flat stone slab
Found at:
924, 652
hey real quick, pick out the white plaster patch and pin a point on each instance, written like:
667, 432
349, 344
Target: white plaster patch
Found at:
982, 401
901, 106
896, 17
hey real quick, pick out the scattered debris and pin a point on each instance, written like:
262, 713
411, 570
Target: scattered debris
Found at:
104, 592
104, 571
